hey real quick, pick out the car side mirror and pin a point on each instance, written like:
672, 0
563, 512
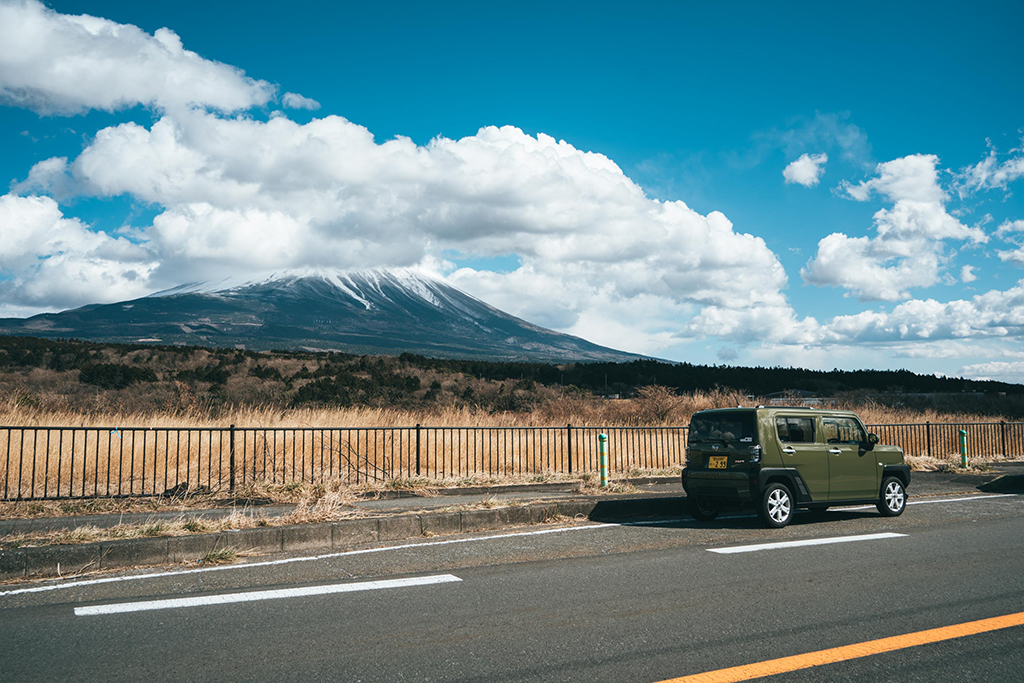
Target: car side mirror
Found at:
872, 439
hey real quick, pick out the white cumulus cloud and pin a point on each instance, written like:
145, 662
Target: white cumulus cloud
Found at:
908, 249
57, 63
992, 172
1004, 371
806, 170
48, 261
1010, 232
240, 195
294, 101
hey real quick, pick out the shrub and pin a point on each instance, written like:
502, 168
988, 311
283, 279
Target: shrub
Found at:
110, 376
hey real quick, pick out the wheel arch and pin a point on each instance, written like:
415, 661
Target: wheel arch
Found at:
901, 472
790, 478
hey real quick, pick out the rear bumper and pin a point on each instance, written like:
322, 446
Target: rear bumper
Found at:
732, 486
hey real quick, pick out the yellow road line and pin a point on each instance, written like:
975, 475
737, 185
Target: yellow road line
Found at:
840, 654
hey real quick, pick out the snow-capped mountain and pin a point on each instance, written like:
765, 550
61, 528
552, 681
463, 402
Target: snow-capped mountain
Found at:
365, 312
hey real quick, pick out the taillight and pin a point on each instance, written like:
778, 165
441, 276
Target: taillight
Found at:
755, 453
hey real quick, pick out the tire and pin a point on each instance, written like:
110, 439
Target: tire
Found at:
776, 507
893, 499
702, 508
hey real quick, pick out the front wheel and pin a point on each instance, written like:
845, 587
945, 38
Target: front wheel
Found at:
894, 498
776, 508
702, 508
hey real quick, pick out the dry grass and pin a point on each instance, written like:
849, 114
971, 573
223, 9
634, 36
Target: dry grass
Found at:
316, 504
655, 406
166, 459
327, 503
925, 463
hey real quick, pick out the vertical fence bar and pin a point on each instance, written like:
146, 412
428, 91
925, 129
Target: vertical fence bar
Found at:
46, 467
7, 466
231, 458
96, 472
418, 471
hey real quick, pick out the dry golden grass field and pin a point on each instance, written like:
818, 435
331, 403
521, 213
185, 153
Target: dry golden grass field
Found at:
99, 453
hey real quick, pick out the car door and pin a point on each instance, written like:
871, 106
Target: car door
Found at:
799, 443
852, 468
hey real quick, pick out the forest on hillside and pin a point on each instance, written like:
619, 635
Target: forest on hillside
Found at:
86, 376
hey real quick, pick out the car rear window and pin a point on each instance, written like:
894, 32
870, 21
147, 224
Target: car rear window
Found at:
730, 428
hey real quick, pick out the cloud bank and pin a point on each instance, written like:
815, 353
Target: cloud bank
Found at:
64, 64
242, 195
908, 249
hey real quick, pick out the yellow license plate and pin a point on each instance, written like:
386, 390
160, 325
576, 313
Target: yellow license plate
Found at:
718, 462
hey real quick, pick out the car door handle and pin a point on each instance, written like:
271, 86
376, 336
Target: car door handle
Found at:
789, 450
834, 451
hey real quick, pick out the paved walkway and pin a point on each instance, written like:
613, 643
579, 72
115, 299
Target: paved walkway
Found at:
1004, 477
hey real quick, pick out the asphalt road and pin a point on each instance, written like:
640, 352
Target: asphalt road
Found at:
582, 603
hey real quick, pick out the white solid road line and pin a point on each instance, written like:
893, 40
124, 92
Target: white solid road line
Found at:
253, 596
797, 544
937, 500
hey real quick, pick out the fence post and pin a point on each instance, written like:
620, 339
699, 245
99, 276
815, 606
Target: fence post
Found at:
928, 437
602, 450
231, 456
417, 449
568, 431
1002, 436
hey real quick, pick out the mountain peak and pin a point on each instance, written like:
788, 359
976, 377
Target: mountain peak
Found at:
373, 311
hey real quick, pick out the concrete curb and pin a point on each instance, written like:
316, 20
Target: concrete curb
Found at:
558, 486
62, 560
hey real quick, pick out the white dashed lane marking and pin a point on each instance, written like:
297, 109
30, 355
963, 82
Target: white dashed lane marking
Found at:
797, 544
254, 596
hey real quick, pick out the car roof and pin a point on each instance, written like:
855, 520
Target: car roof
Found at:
780, 409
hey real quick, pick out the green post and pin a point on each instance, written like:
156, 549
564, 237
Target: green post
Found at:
963, 448
602, 449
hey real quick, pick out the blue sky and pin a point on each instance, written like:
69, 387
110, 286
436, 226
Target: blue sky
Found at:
917, 107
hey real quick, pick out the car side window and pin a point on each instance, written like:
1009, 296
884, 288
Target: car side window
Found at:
843, 430
795, 429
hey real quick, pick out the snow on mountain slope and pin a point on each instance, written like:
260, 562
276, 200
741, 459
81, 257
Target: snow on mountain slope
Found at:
369, 311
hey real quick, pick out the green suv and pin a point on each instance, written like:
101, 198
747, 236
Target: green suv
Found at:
777, 459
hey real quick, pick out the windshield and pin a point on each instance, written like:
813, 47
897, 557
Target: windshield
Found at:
730, 428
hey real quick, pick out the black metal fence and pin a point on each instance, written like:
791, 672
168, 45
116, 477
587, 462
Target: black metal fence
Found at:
942, 440
39, 463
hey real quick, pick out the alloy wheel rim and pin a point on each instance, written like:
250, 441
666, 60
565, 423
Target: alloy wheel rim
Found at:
894, 496
778, 506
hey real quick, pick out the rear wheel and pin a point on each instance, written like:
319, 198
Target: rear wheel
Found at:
776, 508
894, 498
703, 508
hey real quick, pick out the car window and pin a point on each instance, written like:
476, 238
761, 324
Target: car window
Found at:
730, 428
795, 429
843, 430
